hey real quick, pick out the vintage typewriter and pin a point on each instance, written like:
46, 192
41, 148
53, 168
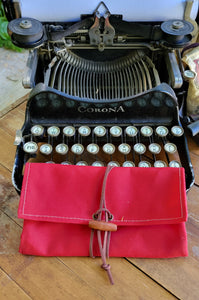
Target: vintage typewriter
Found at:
106, 86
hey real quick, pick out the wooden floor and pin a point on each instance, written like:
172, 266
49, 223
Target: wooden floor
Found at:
28, 277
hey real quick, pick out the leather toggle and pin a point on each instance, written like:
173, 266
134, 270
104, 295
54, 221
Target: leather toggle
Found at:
102, 225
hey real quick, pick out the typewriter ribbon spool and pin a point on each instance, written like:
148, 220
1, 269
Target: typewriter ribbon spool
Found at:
177, 32
26, 32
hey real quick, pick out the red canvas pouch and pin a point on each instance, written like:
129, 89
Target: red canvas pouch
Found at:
60, 202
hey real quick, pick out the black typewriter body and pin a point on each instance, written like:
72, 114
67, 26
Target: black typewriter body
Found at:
104, 91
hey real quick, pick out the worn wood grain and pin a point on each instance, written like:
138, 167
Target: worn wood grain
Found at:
130, 283
9, 290
179, 275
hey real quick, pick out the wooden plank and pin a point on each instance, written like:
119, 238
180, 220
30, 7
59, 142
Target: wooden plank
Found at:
7, 149
179, 275
130, 283
9, 199
9, 290
195, 163
12, 121
46, 278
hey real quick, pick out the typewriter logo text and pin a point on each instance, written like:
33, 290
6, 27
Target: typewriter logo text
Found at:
117, 109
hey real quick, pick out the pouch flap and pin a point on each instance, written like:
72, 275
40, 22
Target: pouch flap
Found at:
134, 196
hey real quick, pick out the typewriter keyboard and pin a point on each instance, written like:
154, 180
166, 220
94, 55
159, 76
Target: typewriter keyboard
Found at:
119, 145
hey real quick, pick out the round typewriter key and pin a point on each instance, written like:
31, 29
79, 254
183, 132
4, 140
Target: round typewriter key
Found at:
115, 131
66, 163
131, 131
114, 164
146, 131
139, 148
174, 164
162, 131
99, 131
109, 148
170, 148
154, 148
128, 164
77, 149
84, 130
50, 162
46, 149
37, 130
124, 148
93, 148
97, 164
30, 147
61, 149
159, 164
69, 131
144, 164
177, 130
53, 131
81, 163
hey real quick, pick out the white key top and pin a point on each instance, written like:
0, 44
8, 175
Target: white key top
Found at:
93, 148
77, 149
144, 164
66, 163
97, 164
174, 164
37, 130
84, 130
154, 148
177, 130
69, 131
50, 162
139, 148
131, 131
30, 147
124, 148
109, 148
128, 164
114, 164
170, 148
99, 130
53, 131
46, 149
162, 131
61, 149
146, 131
82, 163
159, 164
115, 131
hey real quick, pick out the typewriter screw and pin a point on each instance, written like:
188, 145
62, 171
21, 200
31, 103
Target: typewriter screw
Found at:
25, 24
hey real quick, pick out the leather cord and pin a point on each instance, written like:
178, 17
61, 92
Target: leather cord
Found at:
103, 242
